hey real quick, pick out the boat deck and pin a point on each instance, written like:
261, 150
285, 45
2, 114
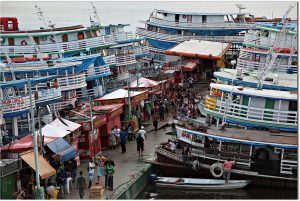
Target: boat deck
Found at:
243, 134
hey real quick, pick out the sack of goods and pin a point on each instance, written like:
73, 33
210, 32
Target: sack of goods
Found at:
96, 192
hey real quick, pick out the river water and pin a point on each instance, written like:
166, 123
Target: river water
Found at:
67, 13
247, 193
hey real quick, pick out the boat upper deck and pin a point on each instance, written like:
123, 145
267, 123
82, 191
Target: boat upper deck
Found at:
286, 81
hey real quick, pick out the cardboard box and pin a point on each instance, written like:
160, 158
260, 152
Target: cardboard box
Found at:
96, 192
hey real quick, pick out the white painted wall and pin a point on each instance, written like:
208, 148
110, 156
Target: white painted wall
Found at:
257, 103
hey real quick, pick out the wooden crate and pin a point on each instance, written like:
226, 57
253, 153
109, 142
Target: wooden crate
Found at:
96, 192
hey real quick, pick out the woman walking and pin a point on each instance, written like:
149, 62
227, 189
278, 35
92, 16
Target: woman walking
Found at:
100, 169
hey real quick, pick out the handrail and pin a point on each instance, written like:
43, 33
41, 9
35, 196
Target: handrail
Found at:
252, 113
181, 38
17, 104
66, 46
157, 21
74, 81
254, 65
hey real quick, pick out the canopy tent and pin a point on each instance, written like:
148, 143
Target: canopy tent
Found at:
200, 49
45, 169
143, 83
65, 124
63, 149
53, 131
24, 144
121, 96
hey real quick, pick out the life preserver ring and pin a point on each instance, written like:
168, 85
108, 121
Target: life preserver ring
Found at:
196, 165
215, 166
23, 42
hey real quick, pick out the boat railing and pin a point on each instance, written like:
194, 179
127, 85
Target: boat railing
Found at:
97, 70
180, 38
17, 104
48, 94
158, 22
287, 165
110, 60
263, 115
141, 50
254, 40
125, 59
72, 82
153, 49
63, 104
254, 65
84, 44
123, 36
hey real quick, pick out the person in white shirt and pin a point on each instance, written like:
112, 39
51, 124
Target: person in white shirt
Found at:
142, 132
91, 171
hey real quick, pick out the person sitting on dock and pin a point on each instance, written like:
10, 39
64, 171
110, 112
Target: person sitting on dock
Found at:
170, 146
227, 169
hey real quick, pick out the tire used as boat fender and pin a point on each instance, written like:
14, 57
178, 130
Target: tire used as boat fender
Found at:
196, 165
23, 42
213, 168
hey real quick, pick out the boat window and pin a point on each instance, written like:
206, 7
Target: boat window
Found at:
10, 24
204, 18
189, 18
11, 41
44, 38
65, 38
80, 36
176, 17
293, 106
149, 28
179, 32
88, 34
97, 33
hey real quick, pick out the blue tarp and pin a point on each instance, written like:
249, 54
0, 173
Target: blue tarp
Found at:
63, 149
161, 44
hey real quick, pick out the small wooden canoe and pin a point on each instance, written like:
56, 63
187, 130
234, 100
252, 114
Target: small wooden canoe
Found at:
199, 184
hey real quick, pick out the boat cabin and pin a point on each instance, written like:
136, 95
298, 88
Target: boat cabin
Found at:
250, 107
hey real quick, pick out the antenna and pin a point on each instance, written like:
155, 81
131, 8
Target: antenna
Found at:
46, 26
240, 6
96, 16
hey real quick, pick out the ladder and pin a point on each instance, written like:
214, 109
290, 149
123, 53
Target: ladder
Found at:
272, 56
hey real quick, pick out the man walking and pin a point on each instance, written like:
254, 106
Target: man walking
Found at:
227, 169
81, 185
123, 137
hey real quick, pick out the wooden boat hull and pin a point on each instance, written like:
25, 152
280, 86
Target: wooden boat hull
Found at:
200, 184
171, 167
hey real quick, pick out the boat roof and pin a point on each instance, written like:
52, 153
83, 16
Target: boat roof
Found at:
249, 136
265, 93
275, 29
57, 31
285, 81
200, 49
202, 13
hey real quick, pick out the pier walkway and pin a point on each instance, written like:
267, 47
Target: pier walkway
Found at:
128, 164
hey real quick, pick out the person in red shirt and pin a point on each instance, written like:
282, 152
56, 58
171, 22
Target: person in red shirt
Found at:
227, 169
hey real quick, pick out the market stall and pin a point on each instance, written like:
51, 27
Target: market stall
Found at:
113, 113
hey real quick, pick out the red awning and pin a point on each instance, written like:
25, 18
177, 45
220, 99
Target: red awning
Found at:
189, 66
109, 108
24, 144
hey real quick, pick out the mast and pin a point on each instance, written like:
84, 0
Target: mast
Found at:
96, 16
272, 55
40, 13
